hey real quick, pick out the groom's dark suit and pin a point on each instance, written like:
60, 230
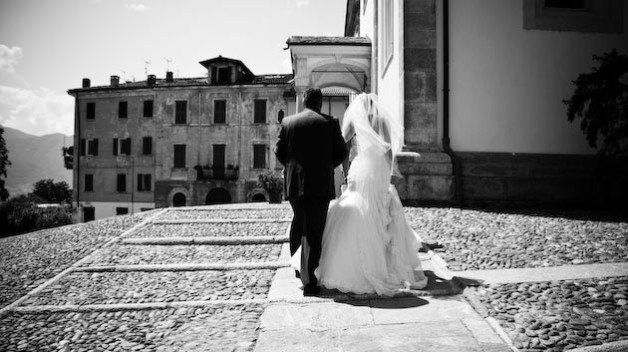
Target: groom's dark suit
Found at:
310, 146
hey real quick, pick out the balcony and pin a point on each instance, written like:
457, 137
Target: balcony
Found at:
209, 173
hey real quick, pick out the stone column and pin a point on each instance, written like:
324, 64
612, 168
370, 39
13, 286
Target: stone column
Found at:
427, 171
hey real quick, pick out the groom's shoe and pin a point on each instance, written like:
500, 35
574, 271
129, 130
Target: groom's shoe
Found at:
297, 274
311, 290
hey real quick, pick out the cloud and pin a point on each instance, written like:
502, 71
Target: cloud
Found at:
303, 3
136, 7
9, 58
37, 112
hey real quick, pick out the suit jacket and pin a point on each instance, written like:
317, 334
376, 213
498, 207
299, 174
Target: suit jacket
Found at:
310, 146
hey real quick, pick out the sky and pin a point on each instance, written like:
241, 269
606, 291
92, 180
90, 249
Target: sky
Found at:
49, 46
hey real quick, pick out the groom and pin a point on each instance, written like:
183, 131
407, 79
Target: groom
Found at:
310, 146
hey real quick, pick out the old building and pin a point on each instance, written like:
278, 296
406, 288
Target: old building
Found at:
177, 141
181, 141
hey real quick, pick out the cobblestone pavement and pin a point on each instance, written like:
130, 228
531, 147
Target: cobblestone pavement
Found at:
87, 308
560, 315
94, 305
28, 260
479, 240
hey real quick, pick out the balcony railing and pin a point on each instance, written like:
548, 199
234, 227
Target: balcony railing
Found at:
216, 173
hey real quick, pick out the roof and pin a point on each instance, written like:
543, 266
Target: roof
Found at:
299, 40
279, 79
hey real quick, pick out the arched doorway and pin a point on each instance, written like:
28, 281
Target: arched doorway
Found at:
218, 196
258, 197
179, 200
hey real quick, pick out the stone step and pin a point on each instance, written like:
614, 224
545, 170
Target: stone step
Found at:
205, 240
183, 267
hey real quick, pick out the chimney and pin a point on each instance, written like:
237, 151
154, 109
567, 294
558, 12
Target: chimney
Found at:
115, 81
151, 80
86, 82
169, 77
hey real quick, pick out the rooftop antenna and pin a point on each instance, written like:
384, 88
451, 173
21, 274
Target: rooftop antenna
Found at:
146, 64
168, 62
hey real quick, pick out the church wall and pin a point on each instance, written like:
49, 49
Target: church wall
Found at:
508, 83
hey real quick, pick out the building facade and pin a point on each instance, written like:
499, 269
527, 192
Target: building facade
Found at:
479, 86
180, 141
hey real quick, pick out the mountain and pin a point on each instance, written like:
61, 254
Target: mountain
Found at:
34, 158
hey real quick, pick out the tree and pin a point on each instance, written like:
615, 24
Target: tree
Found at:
52, 192
68, 157
601, 101
4, 164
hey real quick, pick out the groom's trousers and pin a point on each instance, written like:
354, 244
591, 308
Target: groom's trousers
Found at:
308, 224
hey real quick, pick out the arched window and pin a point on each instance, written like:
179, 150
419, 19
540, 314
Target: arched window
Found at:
179, 200
280, 116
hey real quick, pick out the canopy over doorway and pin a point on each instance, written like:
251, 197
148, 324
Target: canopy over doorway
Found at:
330, 62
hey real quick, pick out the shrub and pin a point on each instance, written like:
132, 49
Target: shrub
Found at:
21, 214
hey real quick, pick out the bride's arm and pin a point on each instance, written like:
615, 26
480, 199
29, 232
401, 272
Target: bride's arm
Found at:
348, 132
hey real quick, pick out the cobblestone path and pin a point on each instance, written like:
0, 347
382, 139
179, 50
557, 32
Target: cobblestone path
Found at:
182, 280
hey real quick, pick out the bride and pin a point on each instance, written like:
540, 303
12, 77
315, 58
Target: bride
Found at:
368, 246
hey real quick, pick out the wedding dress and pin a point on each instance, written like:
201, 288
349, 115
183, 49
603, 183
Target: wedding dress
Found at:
368, 246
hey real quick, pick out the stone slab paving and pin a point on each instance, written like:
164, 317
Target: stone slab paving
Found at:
269, 212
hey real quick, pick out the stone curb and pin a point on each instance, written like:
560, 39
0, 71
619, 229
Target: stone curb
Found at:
616, 346
217, 221
205, 240
183, 267
73, 308
475, 303
39, 288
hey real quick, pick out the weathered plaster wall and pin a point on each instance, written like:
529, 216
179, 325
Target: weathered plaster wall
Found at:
507, 83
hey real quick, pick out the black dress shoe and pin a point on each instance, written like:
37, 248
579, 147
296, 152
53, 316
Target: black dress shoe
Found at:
297, 274
311, 290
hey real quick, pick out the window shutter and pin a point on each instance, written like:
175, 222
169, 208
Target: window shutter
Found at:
140, 186
121, 183
147, 182
96, 146
128, 146
115, 146
82, 146
147, 145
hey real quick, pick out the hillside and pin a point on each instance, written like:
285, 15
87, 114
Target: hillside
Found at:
34, 158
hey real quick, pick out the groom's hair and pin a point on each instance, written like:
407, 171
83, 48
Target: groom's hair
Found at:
313, 99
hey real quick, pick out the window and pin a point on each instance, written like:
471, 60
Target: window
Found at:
220, 111
218, 161
259, 156
88, 147
122, 146
121, 183
122, 211
602, 16
179, 156
148, 108
143, 182
89, 183
147, 145
123, 109
89, 214
387, 35
224, 75
259, 111
91, 111
181, 112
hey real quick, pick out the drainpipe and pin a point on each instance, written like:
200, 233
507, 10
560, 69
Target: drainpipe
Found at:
77, 154
457, 167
